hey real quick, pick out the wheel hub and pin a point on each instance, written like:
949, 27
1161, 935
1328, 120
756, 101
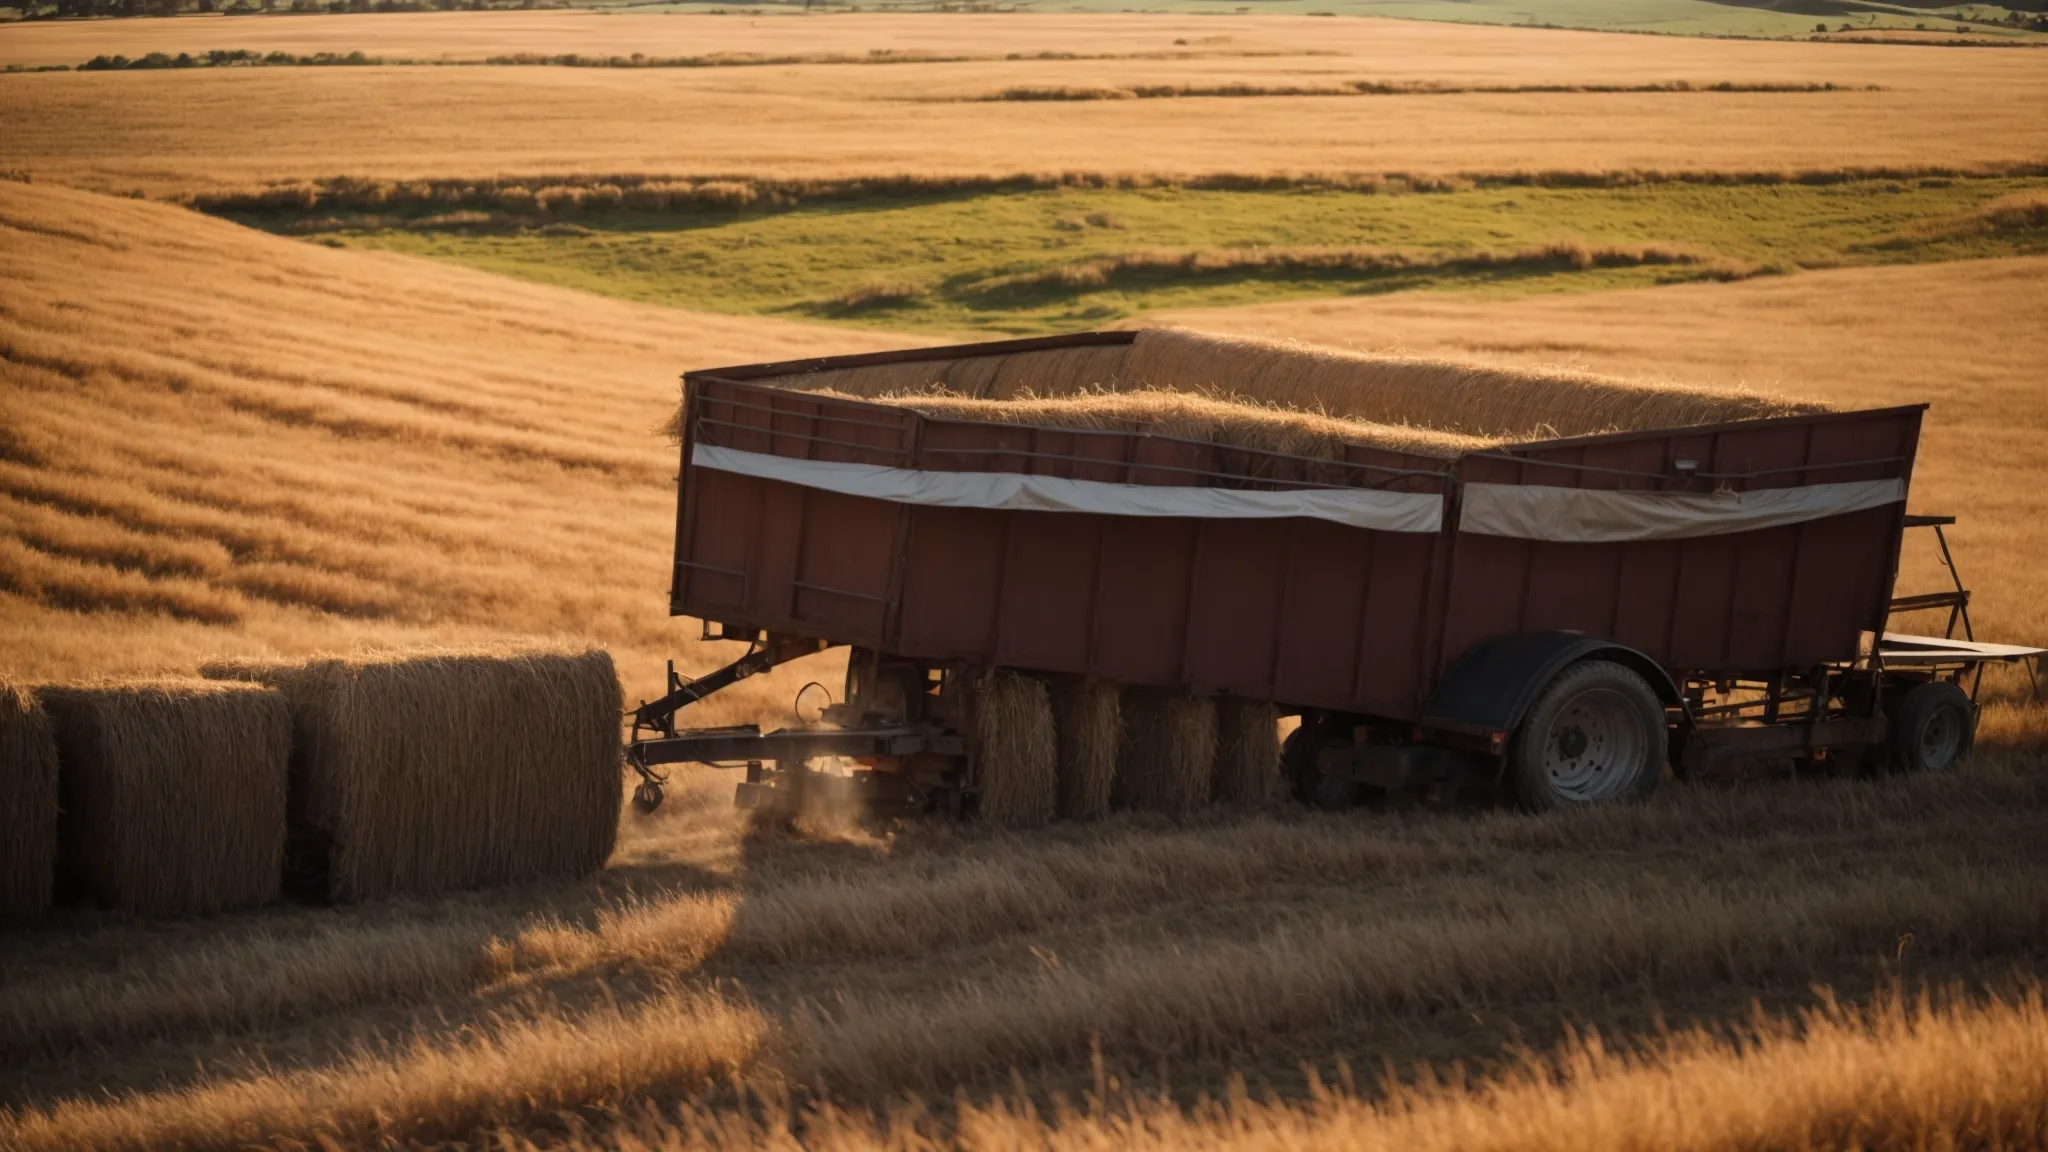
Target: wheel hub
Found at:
1594, 748
1571, 744
1940, 739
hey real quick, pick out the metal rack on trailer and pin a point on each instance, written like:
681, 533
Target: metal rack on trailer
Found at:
1560, 618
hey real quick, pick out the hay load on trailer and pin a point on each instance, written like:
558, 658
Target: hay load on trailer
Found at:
1546, 583
1267, 393
173, 794
28, 807
427, 771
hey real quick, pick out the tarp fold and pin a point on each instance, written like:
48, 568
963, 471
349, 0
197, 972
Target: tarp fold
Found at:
1589, 515
1357, 507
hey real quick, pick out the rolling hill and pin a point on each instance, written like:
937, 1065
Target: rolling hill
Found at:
213, 440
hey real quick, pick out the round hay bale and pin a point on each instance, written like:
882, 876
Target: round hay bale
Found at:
28, 807
1018, 781
872, 379
974, 375
1059, 371
1247, 752
1166, 761
1472, 399
173, 794
1089, 721
446, 768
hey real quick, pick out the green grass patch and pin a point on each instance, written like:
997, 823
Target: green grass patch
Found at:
1045, 260
1772, 19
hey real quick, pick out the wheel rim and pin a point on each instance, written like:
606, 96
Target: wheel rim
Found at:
1940, 739
1594, 747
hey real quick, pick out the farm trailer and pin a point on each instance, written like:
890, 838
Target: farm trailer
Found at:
1558, 619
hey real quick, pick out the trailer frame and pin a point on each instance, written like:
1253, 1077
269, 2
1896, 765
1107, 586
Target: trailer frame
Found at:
1411, 657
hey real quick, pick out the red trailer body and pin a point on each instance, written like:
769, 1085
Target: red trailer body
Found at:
1307, 612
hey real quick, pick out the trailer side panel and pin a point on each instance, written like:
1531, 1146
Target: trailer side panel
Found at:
1302, 610
1309, 612
1756, 601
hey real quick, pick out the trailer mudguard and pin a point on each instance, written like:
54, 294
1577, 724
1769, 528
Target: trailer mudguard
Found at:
1493, 684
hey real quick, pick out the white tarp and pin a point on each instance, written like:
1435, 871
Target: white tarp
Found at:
1358, 507
1533, 512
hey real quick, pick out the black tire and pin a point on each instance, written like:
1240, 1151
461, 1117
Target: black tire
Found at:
1933, 727
885, 684
1313, 786
1595, 735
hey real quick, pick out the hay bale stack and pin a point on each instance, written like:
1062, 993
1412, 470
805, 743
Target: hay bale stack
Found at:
1474, 400
1235, 422
28, 807
1046, 371
1287, 396
173, 794
451, 768
874, 380
1053, 371
973, 376
1166, 761
1247, 753
1018, 754
1088, 719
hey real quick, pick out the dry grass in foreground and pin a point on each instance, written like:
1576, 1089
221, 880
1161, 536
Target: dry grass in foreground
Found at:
178, 132
846, 971
1902, 1074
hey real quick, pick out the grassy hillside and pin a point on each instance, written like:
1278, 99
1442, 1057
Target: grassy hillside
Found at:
261, 445
1059, 259
1758, 18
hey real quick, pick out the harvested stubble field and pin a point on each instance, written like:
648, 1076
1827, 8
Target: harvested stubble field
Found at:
836, 968
303, 449
217, 444
1401, 49
182, 131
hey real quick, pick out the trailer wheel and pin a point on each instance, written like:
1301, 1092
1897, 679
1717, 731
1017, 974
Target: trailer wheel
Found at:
1313, 786
1932, 728
1596, 735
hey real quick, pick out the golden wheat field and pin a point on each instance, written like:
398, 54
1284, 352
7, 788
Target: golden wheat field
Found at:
172, 131
314, 446
1393, 49
225, 448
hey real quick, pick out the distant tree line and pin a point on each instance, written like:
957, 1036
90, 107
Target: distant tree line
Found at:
221, 59
36, 9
